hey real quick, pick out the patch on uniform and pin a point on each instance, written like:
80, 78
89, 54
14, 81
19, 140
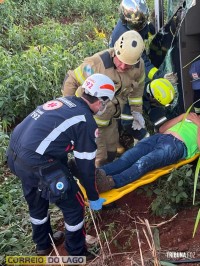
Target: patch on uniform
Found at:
88, 71
52, 105
60, 185
66, 102
195, 76
96, 133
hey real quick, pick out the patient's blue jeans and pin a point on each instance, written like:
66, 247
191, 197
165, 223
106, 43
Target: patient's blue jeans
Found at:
150, 153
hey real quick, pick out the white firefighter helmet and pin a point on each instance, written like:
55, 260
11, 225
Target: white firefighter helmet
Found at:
100, 86
162, 90
134, 13
129, 47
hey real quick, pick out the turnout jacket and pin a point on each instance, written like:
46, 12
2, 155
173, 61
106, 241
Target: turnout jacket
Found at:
129, 85
54, 129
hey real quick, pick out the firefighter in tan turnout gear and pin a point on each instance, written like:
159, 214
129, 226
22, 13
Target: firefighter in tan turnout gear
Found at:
123, 64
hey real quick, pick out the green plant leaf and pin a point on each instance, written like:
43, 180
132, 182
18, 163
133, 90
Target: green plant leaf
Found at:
184, 195
180, 183
196, 223
174, 193
157, 191
189, 173
178, 198
170, 177
167, 207
196, 179
13, 240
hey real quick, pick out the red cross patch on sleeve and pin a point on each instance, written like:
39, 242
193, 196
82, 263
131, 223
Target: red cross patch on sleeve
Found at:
96, 133
52, 105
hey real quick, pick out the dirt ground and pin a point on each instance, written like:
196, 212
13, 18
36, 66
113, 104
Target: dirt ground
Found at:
173, 235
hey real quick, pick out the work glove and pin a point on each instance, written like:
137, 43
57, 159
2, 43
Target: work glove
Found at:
96, 205
138, 121
172, 77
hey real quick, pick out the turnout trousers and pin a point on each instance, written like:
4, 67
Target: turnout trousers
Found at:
107, 141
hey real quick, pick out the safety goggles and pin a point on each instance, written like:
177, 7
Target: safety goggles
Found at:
138, 26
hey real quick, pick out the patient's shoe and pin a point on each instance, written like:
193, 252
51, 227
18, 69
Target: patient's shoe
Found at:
104, 182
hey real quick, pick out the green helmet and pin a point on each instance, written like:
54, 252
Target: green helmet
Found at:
134, 13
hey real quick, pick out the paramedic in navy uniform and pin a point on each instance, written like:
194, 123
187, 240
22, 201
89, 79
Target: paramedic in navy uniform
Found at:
37, 154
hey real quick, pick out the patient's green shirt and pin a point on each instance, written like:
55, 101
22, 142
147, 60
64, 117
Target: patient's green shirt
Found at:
188, 132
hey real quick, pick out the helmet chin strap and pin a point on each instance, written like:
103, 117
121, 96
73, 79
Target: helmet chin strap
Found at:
149, 90
100, 112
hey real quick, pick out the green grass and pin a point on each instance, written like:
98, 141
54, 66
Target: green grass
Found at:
15, 227
40, 43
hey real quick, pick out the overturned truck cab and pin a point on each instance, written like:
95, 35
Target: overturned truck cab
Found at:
176, 47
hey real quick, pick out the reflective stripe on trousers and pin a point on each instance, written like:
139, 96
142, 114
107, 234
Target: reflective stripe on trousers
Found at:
73, 228
39, 221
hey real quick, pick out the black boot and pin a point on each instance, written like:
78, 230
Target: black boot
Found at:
58, 238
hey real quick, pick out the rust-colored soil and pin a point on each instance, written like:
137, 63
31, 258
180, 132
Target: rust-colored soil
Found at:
119, 222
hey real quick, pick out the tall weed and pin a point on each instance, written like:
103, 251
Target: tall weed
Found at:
4, 139
29, 79
29, 12
172, 192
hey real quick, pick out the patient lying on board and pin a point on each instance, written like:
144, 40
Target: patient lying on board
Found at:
178, 138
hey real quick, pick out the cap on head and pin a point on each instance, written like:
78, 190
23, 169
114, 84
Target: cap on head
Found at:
99, 85
134, 13
129, 47
162, 90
